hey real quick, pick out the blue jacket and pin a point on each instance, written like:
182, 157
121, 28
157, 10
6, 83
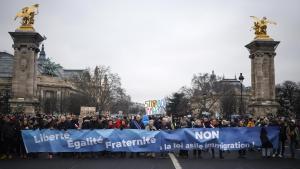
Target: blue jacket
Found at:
137, 124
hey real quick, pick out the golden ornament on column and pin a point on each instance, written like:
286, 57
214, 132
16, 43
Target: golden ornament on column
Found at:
260, 28
27, 15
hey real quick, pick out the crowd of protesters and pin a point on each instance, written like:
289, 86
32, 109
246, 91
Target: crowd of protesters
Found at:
11, 143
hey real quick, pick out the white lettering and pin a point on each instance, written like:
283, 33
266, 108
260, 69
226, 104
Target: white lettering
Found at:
207, 135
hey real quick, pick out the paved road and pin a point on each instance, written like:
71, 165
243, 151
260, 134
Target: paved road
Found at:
253, 161
88, 164
241, 164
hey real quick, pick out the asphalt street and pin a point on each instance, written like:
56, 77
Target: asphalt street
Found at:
253, 161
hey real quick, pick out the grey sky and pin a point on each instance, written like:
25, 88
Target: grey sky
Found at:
157, 45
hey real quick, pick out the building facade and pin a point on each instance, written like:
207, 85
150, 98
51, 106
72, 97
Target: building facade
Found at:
51, 91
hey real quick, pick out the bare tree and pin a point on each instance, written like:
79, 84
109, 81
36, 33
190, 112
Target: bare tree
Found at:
121, 101
207, 90
288, 96
102, 87
204, 91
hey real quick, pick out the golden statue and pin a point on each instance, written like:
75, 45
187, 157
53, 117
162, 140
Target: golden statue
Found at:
260, 27
27, 14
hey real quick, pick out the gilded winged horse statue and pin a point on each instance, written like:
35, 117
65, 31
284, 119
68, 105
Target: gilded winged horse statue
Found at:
27, 17
260, 27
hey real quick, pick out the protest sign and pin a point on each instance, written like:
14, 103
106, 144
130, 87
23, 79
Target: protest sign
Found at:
87, 111
154, 107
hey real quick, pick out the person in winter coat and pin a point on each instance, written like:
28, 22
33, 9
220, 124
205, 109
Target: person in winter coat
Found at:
94, 123
24, 126
7, 138
136, 123
215, 124
242, 152
184, 124
150, 127
282, 138
62, 124
251, 123
266, 145
123, 124
292, 135
198, 124
86, 124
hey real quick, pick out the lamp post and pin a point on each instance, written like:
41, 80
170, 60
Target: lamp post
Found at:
241, 78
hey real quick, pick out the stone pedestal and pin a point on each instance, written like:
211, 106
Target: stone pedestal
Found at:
262, 53
24, 84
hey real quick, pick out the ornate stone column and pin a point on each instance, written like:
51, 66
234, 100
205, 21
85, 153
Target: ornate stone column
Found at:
262, 53
24, 82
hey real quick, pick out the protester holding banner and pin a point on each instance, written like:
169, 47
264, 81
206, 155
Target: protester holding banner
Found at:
63, 124
139, 140
7, 137
250, 123
198, 152
111, 124
150, 127
122, 125
94, 123
184, 124
136, 123
206, 123
242, 152
279, 151
265, 141
23, 126
293, 137
215, 124
165, 124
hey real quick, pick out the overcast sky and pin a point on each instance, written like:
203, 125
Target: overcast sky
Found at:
157, 45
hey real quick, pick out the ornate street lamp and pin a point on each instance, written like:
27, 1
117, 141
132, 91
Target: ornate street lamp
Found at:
241, 78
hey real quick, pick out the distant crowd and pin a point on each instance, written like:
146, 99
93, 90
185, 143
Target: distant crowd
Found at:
11, 143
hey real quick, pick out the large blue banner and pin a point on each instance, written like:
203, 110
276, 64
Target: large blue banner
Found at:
133, 140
